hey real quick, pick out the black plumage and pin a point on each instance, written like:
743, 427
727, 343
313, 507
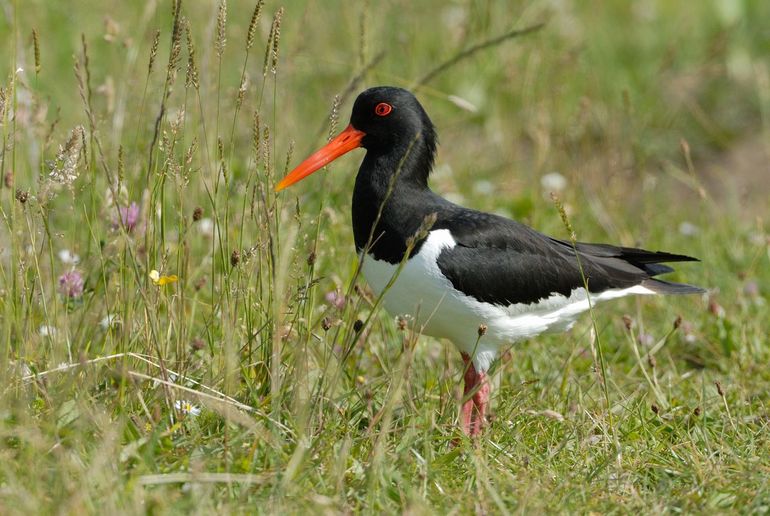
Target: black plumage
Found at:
496, 260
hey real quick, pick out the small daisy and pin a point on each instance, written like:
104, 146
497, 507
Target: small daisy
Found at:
187, 408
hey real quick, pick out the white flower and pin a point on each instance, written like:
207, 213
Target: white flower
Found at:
47, 331
110, 320
688, 229
206, 227
187, 408
553, 182
67, 257
484, 187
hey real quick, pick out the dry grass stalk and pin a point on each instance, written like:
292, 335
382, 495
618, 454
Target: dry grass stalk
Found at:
86, 66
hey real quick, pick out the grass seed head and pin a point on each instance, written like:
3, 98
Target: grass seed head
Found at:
628, 322
255, 16
191, 78
276, 39
22, 196
153, 51
720, 391
221, 40
36, 45
64, 168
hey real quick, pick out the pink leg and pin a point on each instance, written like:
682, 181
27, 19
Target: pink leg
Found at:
480, 402
476, 394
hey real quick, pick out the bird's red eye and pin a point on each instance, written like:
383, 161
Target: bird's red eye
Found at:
383, 109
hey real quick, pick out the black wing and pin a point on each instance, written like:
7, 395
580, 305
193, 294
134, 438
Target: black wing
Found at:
501, 261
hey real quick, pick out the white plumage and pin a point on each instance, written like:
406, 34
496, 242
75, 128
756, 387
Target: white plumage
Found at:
442, 311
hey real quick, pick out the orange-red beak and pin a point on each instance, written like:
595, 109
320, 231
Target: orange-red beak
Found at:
344, 142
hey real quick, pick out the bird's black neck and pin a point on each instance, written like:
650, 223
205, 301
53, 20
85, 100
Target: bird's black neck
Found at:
391, 198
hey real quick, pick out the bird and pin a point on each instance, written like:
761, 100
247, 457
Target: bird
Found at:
478, 279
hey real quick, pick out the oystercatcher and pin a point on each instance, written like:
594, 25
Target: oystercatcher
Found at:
480, 280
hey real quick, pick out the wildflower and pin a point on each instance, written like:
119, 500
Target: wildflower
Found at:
484, 187
336, 299
109, 320
162, 280
71, 284
553, 182
751, 289
688, 229
716, 309
67, 257
128, 217
186, 407
645, 339
206, 227
47, 331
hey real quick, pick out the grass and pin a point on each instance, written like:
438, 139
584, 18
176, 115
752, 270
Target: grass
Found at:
264, 379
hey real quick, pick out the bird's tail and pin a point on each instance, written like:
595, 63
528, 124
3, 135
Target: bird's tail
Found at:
668, 287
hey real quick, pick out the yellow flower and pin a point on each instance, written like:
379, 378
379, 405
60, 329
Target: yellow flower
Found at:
162, 280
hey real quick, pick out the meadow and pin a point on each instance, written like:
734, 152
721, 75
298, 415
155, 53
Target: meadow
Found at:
177, 337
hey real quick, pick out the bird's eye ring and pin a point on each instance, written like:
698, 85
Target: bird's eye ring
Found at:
383, 109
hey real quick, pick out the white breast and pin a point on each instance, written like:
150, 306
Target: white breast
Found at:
440, 310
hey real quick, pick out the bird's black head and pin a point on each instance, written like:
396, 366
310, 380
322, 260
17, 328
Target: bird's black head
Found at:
392, 126
391, 118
